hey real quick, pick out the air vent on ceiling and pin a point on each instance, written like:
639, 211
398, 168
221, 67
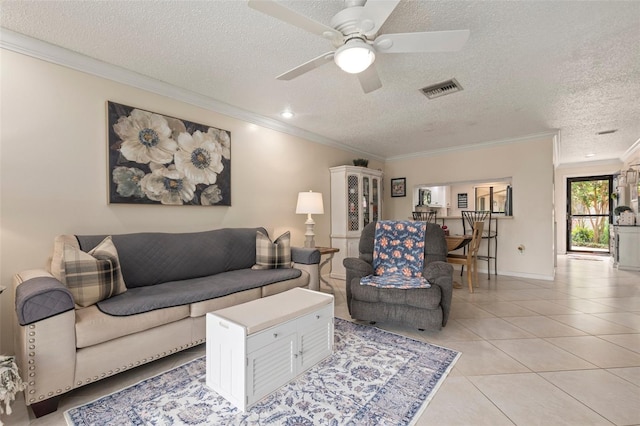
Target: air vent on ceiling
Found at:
441, 89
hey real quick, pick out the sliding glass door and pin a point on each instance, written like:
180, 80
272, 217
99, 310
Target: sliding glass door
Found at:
588, 213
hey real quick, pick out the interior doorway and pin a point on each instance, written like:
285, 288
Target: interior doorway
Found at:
589, 214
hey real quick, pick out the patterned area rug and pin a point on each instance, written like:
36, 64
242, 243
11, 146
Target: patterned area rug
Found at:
373, 378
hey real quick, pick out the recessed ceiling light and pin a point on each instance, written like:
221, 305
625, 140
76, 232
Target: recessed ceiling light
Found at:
286, 114
590, 155
607, 132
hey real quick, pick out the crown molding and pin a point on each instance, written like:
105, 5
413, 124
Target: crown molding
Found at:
38, 49
630, 153
20, 43
614, 163
481, 145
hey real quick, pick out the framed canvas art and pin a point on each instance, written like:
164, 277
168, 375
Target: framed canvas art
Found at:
399, 187
463, 200
158, 159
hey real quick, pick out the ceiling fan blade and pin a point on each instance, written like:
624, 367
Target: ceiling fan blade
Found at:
375, 13
283, 13
369, 79
306, 67
434, 41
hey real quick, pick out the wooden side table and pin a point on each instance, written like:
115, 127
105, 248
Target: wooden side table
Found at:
330, 251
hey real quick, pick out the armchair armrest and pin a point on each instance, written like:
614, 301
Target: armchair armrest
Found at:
40, 298
358, 267
355, 269
306, 256
441, 274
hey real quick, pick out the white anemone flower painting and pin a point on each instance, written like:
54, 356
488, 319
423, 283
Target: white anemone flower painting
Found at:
197, 157
146, 138
167, 185
157, 159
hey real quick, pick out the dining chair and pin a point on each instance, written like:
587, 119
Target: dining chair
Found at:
470, 259
490, 234
429, 216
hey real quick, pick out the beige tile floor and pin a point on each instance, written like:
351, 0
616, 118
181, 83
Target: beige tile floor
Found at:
534, 352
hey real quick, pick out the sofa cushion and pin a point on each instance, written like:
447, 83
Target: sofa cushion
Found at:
201, 308
93, 326
273, 255
94, 276
424, 298
155, 258
275, 288
175, 293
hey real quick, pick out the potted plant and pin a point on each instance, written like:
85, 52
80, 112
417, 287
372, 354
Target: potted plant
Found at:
360, 162
621, 209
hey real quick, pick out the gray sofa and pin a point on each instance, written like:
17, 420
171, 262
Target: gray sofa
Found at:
424, 308
172, 281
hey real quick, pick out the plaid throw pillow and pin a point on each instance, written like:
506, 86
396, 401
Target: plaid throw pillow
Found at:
273, 255
94, 276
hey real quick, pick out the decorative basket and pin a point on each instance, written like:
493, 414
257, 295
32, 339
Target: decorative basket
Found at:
627, 218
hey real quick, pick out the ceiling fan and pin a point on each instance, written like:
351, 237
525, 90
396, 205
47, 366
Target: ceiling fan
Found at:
353, 33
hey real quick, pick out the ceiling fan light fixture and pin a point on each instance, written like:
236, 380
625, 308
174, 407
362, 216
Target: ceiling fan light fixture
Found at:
354, 56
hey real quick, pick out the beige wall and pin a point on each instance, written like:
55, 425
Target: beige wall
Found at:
54, 178
530, 166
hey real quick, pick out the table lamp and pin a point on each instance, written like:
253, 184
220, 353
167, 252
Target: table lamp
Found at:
309, 203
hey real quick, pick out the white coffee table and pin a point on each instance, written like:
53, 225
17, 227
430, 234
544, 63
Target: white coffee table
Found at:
256, 347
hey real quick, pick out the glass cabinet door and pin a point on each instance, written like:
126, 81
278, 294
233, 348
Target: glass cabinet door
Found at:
366, 190
353, 201
375, 202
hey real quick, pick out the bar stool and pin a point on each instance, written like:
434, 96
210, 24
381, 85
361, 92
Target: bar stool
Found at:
490, 234
429, 216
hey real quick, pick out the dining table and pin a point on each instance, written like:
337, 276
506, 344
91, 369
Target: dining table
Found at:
455, 242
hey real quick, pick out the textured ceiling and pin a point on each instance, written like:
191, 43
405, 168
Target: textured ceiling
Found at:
529, 67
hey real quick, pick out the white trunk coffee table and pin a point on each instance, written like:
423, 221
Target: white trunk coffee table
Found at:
256, 347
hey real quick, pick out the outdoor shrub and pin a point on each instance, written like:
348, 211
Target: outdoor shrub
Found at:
582, 236
604, 236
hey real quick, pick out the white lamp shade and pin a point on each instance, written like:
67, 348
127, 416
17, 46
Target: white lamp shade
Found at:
310, 203
355, 56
